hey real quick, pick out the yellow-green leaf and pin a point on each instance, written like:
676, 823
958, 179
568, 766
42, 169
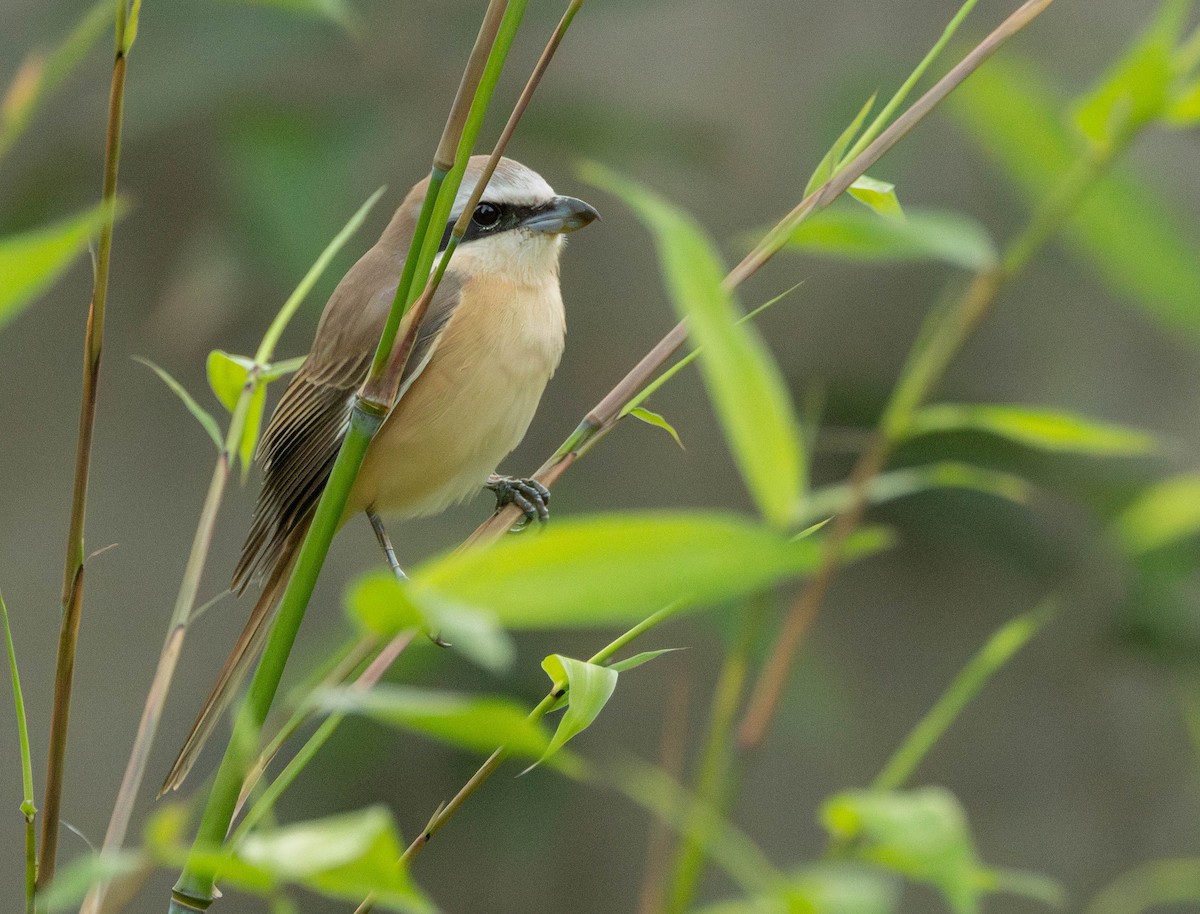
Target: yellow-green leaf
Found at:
227, 376
953, 238
472, 722
880, 196
1046, 429
611, 569
745, 385
652, 418
588, 687
31, 261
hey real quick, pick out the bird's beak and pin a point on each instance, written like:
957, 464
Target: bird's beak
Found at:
562, 214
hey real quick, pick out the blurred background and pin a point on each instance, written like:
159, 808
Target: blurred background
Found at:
253, 133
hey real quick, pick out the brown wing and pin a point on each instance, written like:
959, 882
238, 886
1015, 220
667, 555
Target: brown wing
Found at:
301, 442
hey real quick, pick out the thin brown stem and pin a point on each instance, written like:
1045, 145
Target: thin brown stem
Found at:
73, 574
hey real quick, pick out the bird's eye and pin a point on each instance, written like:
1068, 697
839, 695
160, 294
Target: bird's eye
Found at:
486, 215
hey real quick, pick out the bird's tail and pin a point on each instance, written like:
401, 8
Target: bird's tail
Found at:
249, 645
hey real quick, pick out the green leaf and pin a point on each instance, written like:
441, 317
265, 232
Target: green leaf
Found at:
637, 660
208, 423
281, 369
652, 418
31, 261
588, 687
227, 376
463, 721
1138, 88
920, 834
131, 25
829, 163
615, 568
382, 606
254, 417
1045, 429
879, 196
747, 390
893, 484
1123, 229
1164, 514
942, 235
346, 856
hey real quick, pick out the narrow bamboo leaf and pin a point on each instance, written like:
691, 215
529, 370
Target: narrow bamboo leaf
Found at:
893, 484
131, 25
619, 568
589, 686
637, 660
998, 650
74, 880
1138, 88
832, 158
1184, 109
920, 834
463, 721
31, 261
1165, 513
1123, 229
207, 422
1045, 429
950, 237
227, 376
747, 390
40, 73
879, 196
653, 418
382, 606
346, 856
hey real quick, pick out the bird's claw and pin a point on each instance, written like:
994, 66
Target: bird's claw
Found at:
529, 495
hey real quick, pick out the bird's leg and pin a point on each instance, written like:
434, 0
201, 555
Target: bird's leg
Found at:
385, 543
389, 551
529, 495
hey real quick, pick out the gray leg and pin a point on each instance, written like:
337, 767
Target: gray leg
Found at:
386, 544
529, 495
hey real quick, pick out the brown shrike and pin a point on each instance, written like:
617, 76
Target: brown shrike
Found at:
484, 351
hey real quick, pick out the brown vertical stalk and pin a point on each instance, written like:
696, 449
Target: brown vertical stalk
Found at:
72, 597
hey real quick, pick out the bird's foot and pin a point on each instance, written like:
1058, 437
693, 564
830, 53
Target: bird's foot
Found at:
529, 495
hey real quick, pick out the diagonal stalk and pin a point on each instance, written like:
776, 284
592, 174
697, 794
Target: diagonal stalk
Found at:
939, 341
605, 415
72, 596
194, 890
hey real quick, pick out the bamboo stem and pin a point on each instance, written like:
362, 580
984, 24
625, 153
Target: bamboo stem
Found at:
73, 573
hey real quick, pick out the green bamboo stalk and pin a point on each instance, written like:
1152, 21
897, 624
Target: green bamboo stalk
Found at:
185, 601
28, 810
194, 890
72, 597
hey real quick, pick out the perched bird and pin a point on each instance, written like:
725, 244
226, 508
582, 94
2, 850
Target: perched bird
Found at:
486, 347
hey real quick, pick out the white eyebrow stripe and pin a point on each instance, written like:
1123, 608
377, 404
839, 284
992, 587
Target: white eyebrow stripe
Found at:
512, 183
